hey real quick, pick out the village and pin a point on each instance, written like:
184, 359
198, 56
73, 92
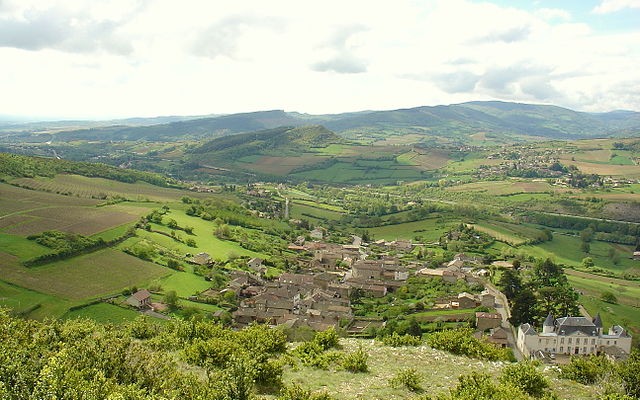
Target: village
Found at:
331, 278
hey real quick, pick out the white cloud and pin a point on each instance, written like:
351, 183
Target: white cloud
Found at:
71, 59
551, 14
610, 6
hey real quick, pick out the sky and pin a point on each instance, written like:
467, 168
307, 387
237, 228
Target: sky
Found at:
104, 59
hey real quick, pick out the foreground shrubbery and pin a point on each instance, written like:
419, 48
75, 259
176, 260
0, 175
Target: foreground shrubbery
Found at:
81, 359
521, 381
618, 381
320, 352
462, 342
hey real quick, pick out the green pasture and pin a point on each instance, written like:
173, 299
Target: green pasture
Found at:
21, 247
566, 250
378, 172
202, 234
627, 292
104, 313
83, 277
621, 160
430, 229
305, 211
21, 299
112, 234
185, 284
328, 207
613, 314
514, 234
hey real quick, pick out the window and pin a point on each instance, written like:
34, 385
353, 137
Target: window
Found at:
561, 349
593, 341
562, 340
569, 340
615, 342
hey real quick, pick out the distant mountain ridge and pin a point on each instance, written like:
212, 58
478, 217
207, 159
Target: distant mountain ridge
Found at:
457, 122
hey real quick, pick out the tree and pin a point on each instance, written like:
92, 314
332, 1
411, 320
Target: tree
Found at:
510, 283
586, 235
524, 308
609, 297
171, 299
629, 372
526, 377
559, 300
172, 223
548, 273
585, 247
587, 262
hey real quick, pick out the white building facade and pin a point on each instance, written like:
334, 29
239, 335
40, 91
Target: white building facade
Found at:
571, 336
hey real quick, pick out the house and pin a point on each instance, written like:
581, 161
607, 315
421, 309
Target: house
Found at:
636, 255
452, 276
367, 270
486, 320
255, 264
499, 336
140, 299
431, 273
572, 336
466, 300
201, 259
487, 299
317, 233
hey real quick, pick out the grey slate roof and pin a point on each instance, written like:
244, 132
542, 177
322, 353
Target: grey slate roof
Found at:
549, 321
566, 326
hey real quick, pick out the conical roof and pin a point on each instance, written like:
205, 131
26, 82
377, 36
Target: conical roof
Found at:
549, 321
597, 321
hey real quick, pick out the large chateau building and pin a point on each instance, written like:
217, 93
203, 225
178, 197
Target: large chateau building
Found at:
573, 335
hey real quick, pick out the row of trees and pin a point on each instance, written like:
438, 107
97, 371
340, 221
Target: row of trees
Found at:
543, 290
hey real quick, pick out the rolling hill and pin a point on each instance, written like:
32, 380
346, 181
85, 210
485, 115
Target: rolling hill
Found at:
502, 121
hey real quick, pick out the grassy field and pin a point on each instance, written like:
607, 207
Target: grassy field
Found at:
508, 187
513, 234
104, 313
430, 229
439, 370
627, 292
21, 300
184, 283
316, 215
202, 234
87, 276
99, 188
613, 314
566, 250
276, 165
24, 212
362, 172
21, 247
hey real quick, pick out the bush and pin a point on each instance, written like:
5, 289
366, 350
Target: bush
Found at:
586, 370
396, 340
296, 392
356, 361
462, 342
327, 339
526, 377
408, 378
609, 297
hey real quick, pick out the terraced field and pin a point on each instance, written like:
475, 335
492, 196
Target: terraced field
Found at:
98, 188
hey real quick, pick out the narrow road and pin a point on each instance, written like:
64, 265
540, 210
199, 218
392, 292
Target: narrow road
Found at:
502, 306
